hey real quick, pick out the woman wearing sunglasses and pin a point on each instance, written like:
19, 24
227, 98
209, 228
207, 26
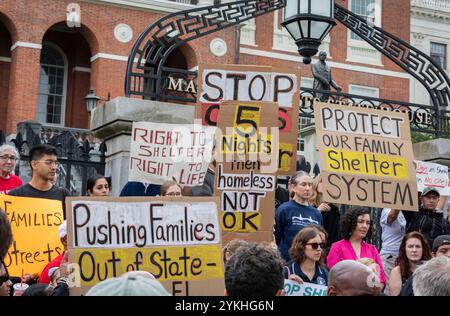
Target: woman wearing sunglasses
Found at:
5, 283
356, 226
305, 252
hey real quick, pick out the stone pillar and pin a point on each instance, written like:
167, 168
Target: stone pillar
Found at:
113, 121
435, 150
23, 86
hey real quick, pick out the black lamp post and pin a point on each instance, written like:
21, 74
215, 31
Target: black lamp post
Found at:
91, 100
308, 22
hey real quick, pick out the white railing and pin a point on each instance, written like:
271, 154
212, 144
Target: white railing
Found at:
439, 5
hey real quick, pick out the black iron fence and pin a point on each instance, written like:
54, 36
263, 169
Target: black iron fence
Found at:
80, 155
424, 119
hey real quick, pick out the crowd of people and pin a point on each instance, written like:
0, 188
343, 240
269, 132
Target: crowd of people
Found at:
314, 242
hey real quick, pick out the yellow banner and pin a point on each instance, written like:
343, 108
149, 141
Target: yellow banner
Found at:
194, 263
286, 155
237, 144
34, 224
241, 221
360, 163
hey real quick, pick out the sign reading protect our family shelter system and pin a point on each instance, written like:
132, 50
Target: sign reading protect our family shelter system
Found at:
366, 157
178, 240
217, 83
34, 223
160, 152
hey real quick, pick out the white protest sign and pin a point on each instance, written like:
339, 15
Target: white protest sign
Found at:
161, 152
142, 224
432, 175
228, 84
293, 288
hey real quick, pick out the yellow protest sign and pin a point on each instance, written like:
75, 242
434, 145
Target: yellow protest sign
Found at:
192, 263
177, 239
34, 224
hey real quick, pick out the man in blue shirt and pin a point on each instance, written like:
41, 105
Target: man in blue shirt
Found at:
292, 216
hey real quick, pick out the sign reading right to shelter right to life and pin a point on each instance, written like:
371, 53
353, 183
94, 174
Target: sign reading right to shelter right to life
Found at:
366, 157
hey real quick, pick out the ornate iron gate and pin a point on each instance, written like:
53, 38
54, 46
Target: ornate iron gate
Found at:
79, 155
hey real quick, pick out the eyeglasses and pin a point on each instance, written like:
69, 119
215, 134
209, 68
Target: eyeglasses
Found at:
50, 162
8, 158
173, 194
316, 245
4, 278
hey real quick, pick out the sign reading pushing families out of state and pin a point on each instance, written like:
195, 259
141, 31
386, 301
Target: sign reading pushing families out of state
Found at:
245, 178
242, 83
34, 223
179, 152
178, 240
366, 157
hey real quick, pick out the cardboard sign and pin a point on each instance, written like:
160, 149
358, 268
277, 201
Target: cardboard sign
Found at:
432, 175
366, 157
161, 152
245, 178
292, 288
218, 83
178, 240
34, 223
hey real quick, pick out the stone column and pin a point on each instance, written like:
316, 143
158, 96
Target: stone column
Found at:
435, 150
113, 121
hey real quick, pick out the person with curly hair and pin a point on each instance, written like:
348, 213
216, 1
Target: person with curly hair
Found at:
356, 226
306, 251
413, 251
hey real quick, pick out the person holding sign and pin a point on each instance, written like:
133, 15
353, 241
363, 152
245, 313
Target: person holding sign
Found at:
44, 164
305, 252
55, 263
295, 214
97, 186
428, 220
356, 227
8, 159
414, 249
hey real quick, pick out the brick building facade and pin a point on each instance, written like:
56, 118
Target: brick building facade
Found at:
47, 67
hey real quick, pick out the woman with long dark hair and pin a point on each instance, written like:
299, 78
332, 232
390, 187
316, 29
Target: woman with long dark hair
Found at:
356, 226
414, 249
97, 185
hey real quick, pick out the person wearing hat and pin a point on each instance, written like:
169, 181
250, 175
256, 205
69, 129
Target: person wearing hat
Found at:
45, 277
441, 246
133, 283
428, 220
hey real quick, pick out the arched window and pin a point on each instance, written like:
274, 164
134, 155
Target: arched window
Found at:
52, 86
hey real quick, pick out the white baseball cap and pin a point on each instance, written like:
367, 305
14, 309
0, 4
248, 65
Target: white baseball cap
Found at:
62, 230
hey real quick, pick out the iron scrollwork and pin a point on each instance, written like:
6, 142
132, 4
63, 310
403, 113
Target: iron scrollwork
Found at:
153, 47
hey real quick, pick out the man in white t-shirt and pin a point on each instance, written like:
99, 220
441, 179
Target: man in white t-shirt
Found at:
392, 232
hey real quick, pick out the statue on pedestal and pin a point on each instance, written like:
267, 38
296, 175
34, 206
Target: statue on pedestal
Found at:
322, 77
